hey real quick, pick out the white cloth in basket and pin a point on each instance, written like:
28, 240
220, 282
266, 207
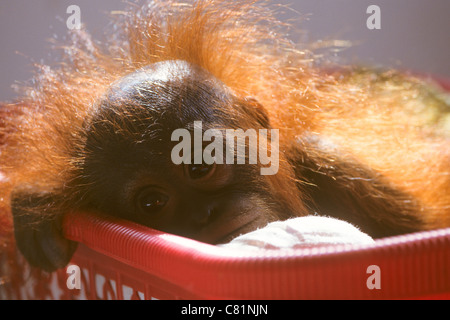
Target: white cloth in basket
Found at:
302, 232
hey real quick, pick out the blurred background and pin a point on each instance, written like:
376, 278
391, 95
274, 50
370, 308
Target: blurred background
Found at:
414, 34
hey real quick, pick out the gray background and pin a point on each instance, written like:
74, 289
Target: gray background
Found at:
414, 34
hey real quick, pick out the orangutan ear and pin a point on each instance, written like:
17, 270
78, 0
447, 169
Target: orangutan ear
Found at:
38, 232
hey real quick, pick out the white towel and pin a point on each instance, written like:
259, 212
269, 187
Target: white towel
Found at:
303, 232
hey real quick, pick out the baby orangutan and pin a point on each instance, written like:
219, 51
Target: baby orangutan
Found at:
96, 134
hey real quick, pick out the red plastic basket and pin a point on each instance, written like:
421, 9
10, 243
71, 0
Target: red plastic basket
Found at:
123, 260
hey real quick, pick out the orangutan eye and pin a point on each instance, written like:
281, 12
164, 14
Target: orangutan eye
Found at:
151, 202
